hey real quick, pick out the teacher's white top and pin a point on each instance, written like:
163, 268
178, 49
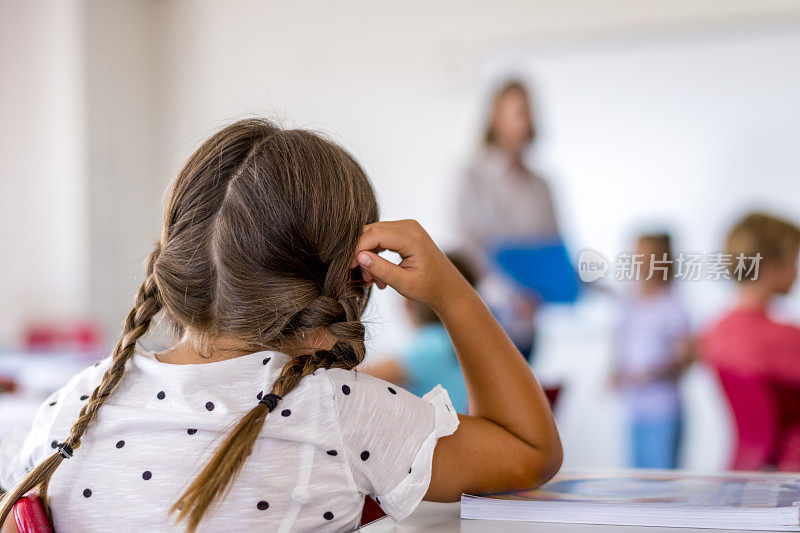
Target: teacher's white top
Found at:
338, 436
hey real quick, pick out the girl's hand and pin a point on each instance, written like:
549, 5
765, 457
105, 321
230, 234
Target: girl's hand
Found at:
424, 274
510, 440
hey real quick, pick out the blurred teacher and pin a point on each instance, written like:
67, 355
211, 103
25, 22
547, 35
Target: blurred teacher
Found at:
500, 200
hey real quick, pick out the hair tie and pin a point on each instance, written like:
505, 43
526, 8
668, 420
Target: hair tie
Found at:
270, 400
65, 450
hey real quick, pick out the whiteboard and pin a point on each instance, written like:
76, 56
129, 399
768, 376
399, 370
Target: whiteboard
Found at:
684, 131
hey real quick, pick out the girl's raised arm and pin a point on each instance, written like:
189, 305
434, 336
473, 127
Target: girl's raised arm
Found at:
509, 440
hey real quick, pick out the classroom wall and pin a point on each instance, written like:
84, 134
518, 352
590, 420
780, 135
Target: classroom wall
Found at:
123, 43
43, 209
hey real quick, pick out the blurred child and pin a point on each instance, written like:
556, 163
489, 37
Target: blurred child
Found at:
653, 348
429, 359
746, 341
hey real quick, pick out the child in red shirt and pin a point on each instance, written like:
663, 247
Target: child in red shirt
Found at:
752, 349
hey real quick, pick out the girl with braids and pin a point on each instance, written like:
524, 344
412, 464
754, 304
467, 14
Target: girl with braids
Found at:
256, 418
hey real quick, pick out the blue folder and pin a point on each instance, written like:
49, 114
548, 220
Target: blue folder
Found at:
543, 267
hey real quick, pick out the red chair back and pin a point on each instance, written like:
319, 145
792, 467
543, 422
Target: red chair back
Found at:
787, 454
30, 515
553, 392
69, 335
371, 512
756, 414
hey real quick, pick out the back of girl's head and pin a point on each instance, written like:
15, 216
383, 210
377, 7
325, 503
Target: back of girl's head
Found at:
259, 231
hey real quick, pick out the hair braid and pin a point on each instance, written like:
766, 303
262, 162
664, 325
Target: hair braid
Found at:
147, 304
338, 310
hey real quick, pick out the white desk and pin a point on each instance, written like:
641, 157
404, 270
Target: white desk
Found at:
444, 518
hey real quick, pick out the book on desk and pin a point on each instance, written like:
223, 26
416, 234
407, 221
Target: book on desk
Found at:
726, 500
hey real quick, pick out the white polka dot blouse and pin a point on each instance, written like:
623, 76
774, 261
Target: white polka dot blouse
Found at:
338, 436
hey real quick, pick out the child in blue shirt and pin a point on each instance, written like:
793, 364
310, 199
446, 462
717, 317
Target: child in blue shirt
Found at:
429, 359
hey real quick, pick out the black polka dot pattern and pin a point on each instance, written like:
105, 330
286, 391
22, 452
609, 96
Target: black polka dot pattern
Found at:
261, 505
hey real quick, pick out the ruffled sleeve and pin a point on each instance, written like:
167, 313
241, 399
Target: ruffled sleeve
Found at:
389, 436
401, 500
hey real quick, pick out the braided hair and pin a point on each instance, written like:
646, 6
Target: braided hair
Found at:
259, 231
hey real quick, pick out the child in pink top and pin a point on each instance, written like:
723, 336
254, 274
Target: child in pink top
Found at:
751, 346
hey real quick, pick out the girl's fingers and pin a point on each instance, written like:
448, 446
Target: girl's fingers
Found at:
385, 236
369, 279
383, 272
360, 248
365, 275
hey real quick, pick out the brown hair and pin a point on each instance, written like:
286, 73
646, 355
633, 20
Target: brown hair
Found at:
422, 313
259, 232
662, 245
509, 87
775, 239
